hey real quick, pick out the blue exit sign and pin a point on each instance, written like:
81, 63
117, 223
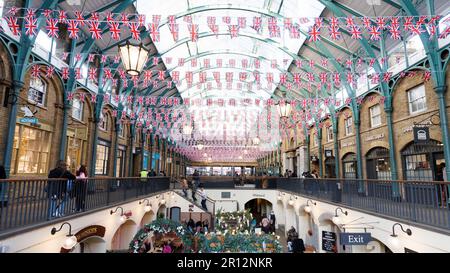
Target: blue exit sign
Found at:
355, 238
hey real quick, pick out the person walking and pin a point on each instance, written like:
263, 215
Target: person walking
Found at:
272, 220
144, 175
57, 189
80, 188
184, 186
203, 196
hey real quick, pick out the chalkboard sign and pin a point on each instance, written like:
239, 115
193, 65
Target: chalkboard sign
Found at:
329, 241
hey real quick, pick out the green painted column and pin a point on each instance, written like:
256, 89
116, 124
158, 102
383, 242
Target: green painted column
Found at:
130, 159
440, 90
116, 142
359, 156
392, 157
319, 135
308, 151
17, 86
336, 151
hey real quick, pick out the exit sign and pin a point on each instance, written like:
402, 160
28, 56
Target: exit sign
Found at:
355, 238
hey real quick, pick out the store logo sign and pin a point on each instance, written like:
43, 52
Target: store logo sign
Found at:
28, 116
421, 134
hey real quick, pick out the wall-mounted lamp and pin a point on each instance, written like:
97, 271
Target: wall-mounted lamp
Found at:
162, 201
394, 236
308, 208
71, 239
122, 216
336, 220
172, 195
279, 197
291, 201
148, 206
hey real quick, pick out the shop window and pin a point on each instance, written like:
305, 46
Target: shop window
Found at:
417, 100
378, 164
330, 135
348, 126
375, 115
31, 149
101, 164
77, 109
421, 161
37, 91
121, 131
349, 164
120, 163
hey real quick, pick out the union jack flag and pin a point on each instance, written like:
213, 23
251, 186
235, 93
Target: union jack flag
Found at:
324, 62
395, 33
408, 23
274, 31
421, 20
234, 31
356, 32
122, 74
52, 28
445, 33
310, 77
92, 75
257, 22
65, 55
13, 10
314, 34
432, 30
50, 71
297, 78
124, 19
334, 33
375, 78
318, 22
367, 22
416, 29
108, 74
334, 22
116, 59
193, 30
47, 13
161, 74
95, 30
115, 30
287, 23
154, 32
109, 17
294, 33
30, 13
95, 16
387, 76
323, 77
350, 78
283, 78
395, 22
350, 22
35, 69
141, 20
62, 16
298, 63
91, 58
427, 76
78, 57
242, 22
174, 31
375, 33
134, 31
30, 26
381, 22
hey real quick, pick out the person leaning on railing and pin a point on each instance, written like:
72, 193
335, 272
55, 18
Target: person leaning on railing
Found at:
57, 189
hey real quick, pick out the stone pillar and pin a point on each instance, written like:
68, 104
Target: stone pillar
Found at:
302, 160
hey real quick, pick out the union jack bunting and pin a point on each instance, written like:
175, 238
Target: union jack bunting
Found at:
427, 76
226, 19
13, 10
293, 32
356, 33
109, 17
395, 32
350, 22
95, 30
154, 32
234, 31
367, 23
375, 33
115, 30
91, 58
124, 19
108, 74
174, 30
78, 57
73, 29
134, 31
337, 79
50, 71
141, 20
62, 16
215, 29
334, 33
65, 73
52, 29
193, 30
47, 13
30, 26
257, 22
287, 22
35, 70
381, 22
242, 22
314, 34
92, 75
95, 16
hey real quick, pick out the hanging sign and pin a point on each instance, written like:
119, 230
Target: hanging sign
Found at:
328, 153
355, 238
421, 134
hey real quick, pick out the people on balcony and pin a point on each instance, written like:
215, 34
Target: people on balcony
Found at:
80, 189
57, 189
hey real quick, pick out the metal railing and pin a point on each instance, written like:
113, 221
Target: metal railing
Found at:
29, 202
425, 202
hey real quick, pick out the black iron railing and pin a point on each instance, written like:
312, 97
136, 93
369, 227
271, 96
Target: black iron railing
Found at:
28, 202
417, 201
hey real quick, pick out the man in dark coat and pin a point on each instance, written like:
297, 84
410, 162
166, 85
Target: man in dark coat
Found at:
298, 246
57, 189
272, 219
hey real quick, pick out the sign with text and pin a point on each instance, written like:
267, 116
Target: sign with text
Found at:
421, 134
29, 120
329, 241
355, 238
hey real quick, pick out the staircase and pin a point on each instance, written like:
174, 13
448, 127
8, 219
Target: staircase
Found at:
210, 204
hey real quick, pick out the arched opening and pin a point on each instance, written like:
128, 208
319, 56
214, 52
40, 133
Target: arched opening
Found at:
422, 161
259, 208
330, 167
378, 165
291, 218
349, 165
281, 222
162, 212
175, 214
91, 245
147, 218
123, 236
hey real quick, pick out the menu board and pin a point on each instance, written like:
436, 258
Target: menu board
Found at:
329, 241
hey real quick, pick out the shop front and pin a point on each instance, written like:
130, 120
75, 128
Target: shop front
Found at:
76, 147
349, 165
423, 161
378, 164
121, 159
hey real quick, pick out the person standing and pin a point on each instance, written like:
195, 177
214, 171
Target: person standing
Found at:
184, 186
265, 224
57, 189
272, 219
80, 188
203, 196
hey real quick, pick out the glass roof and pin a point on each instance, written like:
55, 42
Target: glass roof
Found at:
250, 45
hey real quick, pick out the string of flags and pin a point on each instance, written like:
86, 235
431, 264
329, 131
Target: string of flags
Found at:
333, 28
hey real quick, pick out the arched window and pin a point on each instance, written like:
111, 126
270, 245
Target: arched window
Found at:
77, 109
349, 165
423, 161
37, 91
378, 164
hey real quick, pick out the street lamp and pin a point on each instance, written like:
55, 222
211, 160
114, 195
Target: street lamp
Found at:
133, 57
284, 109
71, 239
123, 217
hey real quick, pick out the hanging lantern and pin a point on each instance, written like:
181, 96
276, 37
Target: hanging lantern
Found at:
284, 109
256, 141
187, 129
133, 57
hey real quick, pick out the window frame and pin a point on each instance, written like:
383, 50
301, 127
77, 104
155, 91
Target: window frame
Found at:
44, 93
418, 100
103, 123
80, 118
347, 126
330, 130
372, 124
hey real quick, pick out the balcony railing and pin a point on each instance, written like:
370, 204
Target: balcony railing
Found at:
416, 201
30, 202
